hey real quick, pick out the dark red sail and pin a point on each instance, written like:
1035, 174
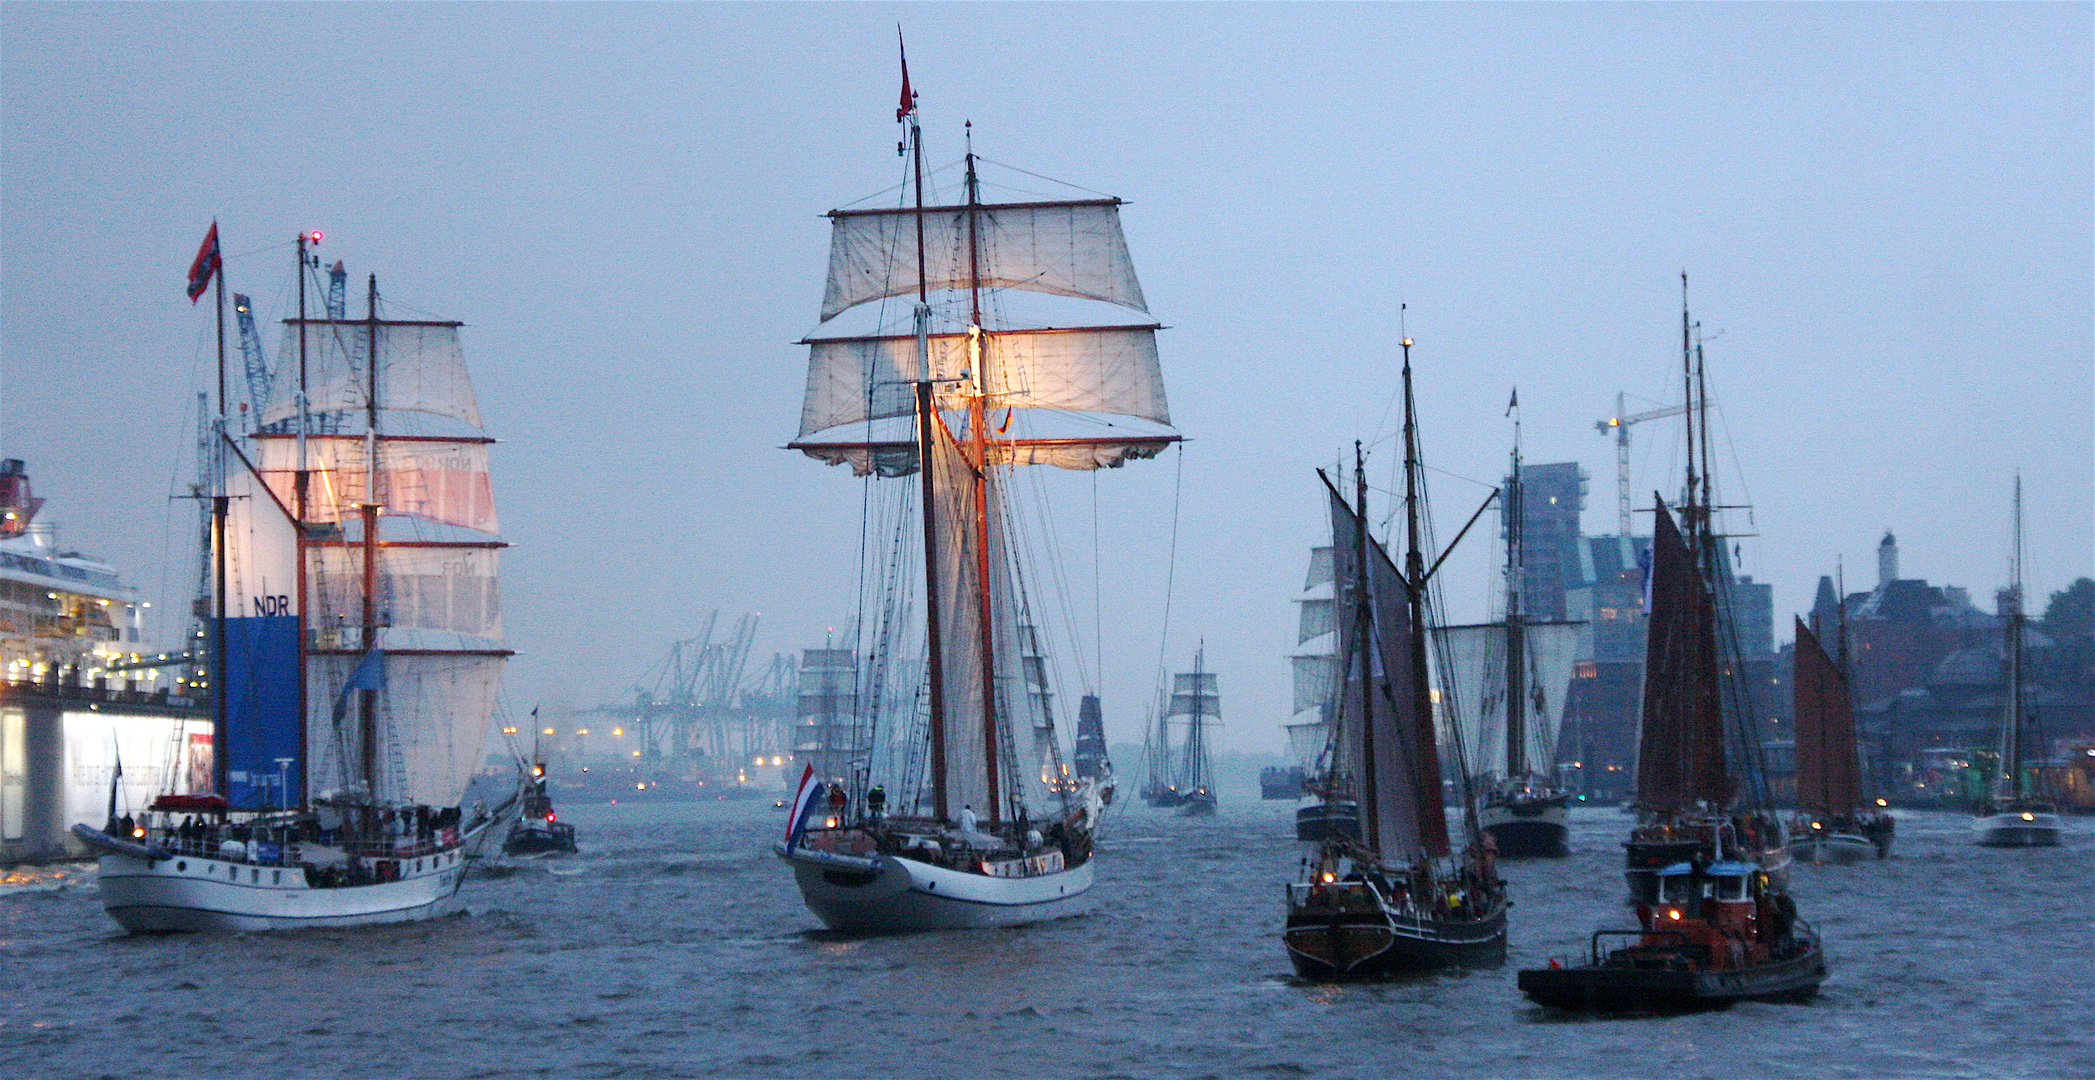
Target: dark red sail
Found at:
1680, 755
1829, 767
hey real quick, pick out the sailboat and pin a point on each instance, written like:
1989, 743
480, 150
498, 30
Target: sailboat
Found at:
1091, 759
2015, 815
1160, 784
980, 829
1196, 702
1402, 897
1520, 670
1334, 814
1707, 875
1835, 823
356, 647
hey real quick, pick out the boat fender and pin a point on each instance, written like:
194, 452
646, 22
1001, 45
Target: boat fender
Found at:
233, 851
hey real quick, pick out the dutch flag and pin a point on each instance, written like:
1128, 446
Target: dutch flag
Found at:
804, 802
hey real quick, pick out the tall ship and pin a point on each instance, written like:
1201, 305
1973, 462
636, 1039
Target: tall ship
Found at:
1835, 822
356, 645
1707, 864
961, 813
1513, 675
1404, 896
1091, 760
1196, 702
2015, 813
1333, 813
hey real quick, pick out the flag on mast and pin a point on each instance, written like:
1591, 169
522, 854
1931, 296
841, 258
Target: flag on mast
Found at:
803, 805
206, 264
909, 97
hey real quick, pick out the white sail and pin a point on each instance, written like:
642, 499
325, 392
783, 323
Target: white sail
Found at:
1064, 248
1473, 680
1308, 743
1317, 620
1316, 678
1109, 369
421, 368
1320, 568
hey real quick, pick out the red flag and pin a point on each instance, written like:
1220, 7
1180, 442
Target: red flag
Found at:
909, 97
206, 264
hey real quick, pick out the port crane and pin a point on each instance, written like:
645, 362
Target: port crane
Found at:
1618, 425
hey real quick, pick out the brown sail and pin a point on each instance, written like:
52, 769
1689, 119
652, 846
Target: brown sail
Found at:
1387, 740
1829, 767
1680, 753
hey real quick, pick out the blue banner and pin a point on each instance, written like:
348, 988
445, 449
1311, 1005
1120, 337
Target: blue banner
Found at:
264, 755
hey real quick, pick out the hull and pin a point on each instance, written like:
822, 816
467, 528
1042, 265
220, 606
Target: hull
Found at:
527, 840
1536, 830
1197, 806
1163, 800
1352, 944
188, 893
1838, 848
1604, 987
1328, 821
886, 894
2017, 829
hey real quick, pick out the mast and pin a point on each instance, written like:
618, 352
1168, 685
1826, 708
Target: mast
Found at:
367, 699
925, 404
1516, 636
2010, 782
1364, 643
301, 482
978, 436
1426, 788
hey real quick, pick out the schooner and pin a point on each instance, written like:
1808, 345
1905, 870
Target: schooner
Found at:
962, 812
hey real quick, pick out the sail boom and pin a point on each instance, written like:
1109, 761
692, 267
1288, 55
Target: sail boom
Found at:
412, 652
359, 544
910, 211
358, 437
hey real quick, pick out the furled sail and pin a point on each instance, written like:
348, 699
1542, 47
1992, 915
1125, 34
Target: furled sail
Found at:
1386, 746
1829, 765
1064, 248
1680, 751
421, 368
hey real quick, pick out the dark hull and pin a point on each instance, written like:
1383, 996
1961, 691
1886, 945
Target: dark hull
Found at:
557, 840
1328, 821
1197, 807
1530, 839
1609, 988
1163, 800
1365, 945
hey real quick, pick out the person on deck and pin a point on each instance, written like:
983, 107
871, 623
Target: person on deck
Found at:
967, 818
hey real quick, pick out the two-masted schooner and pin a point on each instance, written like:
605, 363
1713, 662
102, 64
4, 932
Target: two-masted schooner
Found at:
1402, 896
962, 813
355, 645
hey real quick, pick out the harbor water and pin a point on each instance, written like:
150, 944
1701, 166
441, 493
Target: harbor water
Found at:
676, 945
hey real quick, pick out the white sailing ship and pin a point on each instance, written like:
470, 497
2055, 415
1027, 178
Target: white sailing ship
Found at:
986, 825
356, 643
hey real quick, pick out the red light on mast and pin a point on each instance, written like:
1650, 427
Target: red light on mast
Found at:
314, 236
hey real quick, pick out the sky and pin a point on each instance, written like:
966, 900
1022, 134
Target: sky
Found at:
1883, 211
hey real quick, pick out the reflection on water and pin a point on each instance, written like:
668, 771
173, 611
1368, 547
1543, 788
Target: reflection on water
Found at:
674, 944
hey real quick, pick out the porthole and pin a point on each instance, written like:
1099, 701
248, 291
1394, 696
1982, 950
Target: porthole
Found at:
276, 877
182, 865
254, 876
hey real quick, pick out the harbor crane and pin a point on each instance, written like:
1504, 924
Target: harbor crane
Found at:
251, 354
1619, 425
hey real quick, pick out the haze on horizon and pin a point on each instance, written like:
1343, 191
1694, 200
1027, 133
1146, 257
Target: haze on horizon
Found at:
1884, 211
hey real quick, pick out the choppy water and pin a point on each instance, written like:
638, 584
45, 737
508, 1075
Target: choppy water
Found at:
675, 945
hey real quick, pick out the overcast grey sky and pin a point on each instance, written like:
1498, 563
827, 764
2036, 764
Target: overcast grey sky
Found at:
1884, 209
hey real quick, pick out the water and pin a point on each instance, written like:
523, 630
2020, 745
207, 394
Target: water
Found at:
675, 945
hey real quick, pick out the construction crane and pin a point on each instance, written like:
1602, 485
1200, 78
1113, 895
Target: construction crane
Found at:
251, 352
1619, 425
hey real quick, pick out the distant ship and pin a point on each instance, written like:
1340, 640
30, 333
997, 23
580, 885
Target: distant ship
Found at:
958, 813
2016, 814
1512, 677
356, 644
1835, 822
1334, 814
1409, 894
1707, 869
1196, 703
538, 829
1090, 758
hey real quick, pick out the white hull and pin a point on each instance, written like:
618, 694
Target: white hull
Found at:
2017, 829
188, 893
1841, 848
884, 893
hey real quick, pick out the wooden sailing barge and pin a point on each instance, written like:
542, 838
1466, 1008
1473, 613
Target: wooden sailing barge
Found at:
1401, 897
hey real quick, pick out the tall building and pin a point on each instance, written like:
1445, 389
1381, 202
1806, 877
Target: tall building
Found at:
1552, 497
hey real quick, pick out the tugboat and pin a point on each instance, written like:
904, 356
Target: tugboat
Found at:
1402, 897
538, 831
1708, 878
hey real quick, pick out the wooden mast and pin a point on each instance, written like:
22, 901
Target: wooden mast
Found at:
935, 672
1370, 799
367, 699
978, 435
1425, 788
1516, 633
